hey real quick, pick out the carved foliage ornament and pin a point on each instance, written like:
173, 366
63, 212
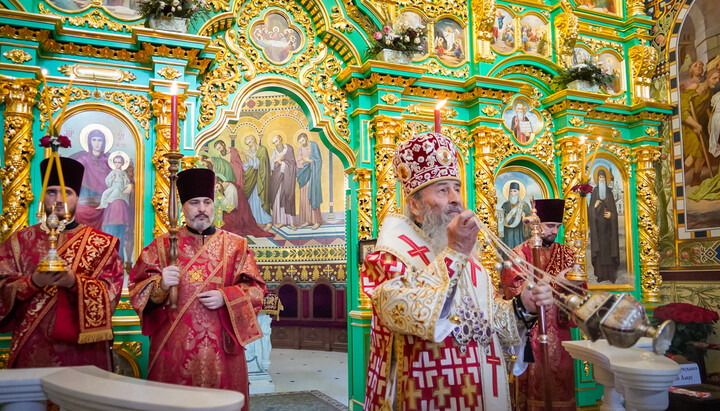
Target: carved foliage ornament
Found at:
17, 56
97, 73
169, 73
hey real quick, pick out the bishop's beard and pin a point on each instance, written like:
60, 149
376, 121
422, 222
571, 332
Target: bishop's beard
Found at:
435, 224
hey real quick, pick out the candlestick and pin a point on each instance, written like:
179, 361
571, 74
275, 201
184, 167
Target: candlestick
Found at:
592, 160
438, 125
583, 159
173, 117
61, 117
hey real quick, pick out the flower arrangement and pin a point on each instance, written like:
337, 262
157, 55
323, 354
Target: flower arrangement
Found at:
54, 142
404, 36
583, 189
587, 71
185, 9
692, 323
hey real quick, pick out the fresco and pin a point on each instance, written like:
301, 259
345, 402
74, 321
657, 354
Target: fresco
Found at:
610, 63
449, 42
533, 37
503, 32
122, 9
105, 145
524, 124
516, 188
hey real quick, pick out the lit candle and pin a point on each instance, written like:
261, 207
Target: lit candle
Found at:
583, 155
173, 117
438, 125
599, 142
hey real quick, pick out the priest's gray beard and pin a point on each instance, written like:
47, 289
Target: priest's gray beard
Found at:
601, 190
514, 199
435, 224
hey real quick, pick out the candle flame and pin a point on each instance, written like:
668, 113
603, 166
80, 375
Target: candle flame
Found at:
583, 139
440, 104
174, 88
44, 71
599, 140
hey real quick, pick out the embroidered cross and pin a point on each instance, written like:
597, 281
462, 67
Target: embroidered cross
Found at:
469, 390
441, 392
415, 249
495, 362
474, 267
413, 395
196, 275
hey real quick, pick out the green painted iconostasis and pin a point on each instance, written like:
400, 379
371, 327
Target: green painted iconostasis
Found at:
289, 79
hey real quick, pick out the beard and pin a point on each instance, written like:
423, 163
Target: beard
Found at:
514, 199
200, 225
435, 223
602, 189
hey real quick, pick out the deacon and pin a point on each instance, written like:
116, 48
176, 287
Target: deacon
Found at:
437, 324
60, 318
555, 259
220, 291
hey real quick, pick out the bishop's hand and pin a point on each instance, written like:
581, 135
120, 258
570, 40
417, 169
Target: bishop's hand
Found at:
170, 277
462, 232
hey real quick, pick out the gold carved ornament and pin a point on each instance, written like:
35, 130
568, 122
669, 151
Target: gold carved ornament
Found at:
486, 140
339, 22
483, 20
169, 73
17, 56
635, 7
643, 61
97, 73
160, 105
365, 203
57, 96
221, 81
649, 233
566, 31
433, 67
94, 18
138, 105
390, 99
574, 219
387, 132
19, 96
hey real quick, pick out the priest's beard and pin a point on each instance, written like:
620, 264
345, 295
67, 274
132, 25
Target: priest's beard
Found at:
514, 199
601, 190
435, 224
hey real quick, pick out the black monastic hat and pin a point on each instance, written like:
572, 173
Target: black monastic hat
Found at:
196, 182
550, 210
72, 171
514, 185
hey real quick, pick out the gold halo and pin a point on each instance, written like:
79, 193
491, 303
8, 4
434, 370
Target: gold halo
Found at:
607, 174
301, 131
506, 189
95, 126
122, 154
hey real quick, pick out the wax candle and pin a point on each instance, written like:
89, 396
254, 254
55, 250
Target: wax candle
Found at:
173, 117
592, 160
438, 125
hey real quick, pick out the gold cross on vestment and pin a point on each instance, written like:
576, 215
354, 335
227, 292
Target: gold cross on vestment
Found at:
196, 275
441, 392
469, 390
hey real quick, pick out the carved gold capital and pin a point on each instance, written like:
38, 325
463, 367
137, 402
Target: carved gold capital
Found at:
19, 96
161, 110
566, 31
486, 140
363, 176
649, 233
643, 61
386, 131
575, 218
635, 7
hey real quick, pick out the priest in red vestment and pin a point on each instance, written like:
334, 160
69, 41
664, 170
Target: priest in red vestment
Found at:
556, 259
220, 291
437, 325
60, 318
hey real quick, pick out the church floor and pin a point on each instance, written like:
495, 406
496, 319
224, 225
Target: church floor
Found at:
305, 370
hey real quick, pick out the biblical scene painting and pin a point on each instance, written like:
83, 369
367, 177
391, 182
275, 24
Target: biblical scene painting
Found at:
607, 249
603, 6
516, 188
278, 39
698, 95
107, 147
122, 9
533, 37
581, 55
450, 44
413, 19
610, 63
524, 124
503, 32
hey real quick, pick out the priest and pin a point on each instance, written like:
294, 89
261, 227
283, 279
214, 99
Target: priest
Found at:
60, 318
220, 291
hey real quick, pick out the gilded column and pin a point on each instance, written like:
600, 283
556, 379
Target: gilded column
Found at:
484, 19
649, 234
19, 95
643, 61
365, 225
485, 197
387, 132
574, 218
635, 7
160, 105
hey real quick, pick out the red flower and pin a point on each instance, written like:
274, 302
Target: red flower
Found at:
45, 142
64, 141
583, 189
